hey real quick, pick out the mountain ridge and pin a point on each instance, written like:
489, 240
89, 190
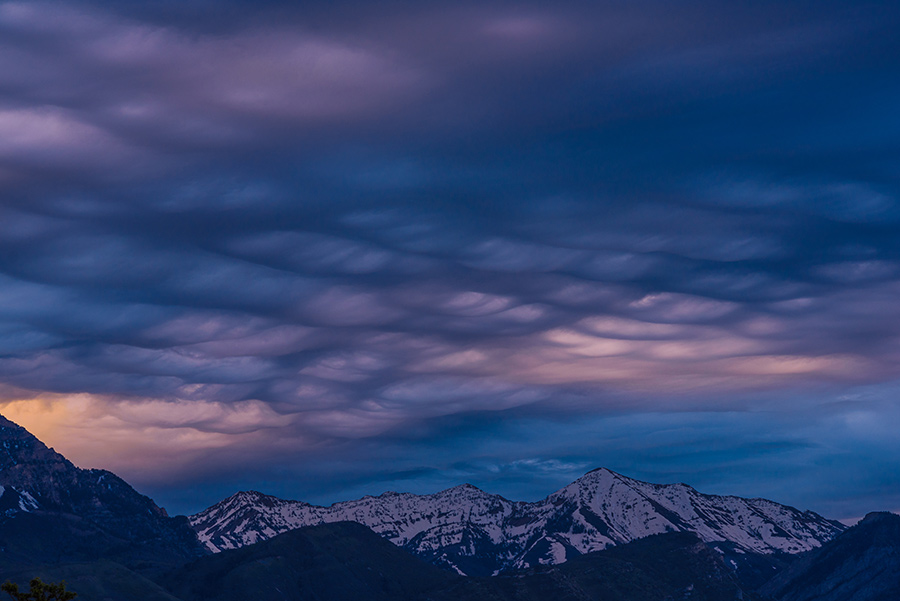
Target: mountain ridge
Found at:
632, 539
53, 512
478, 533
860, 564
345, 560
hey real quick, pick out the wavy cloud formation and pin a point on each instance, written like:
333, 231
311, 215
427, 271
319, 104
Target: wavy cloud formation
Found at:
280, 247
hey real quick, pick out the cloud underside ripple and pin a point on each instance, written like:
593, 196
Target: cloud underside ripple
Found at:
272, 236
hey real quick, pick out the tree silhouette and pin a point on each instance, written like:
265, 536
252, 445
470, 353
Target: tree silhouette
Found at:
40, 591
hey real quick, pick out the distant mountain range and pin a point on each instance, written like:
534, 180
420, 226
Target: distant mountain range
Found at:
605, 536
346, 561
477, 534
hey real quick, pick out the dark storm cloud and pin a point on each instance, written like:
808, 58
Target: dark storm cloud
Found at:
272, 232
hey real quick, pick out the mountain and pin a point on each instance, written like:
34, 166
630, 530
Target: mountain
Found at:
676, 565
453, 527
54, 513
862, 564
477, 533
346, 561
337, 561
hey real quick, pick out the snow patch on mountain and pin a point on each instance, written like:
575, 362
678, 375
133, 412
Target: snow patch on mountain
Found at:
475, 532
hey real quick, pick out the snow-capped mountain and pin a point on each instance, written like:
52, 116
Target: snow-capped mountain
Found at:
478, 533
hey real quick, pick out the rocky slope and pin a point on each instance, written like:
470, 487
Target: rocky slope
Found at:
862, 564
53, 512
477, 533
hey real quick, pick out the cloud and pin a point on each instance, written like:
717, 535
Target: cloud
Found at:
248, 240
158, 88
49, 137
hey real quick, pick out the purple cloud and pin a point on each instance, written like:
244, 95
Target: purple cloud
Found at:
251, 239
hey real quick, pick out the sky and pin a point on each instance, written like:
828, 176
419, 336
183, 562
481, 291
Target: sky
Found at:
328, 249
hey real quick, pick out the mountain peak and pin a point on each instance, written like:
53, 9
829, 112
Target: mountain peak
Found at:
42, 491
5, 423
471, 488
478, 533
28, 466
253, 499
19, 448
879, 517
599, 474
602, 470
250, 495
